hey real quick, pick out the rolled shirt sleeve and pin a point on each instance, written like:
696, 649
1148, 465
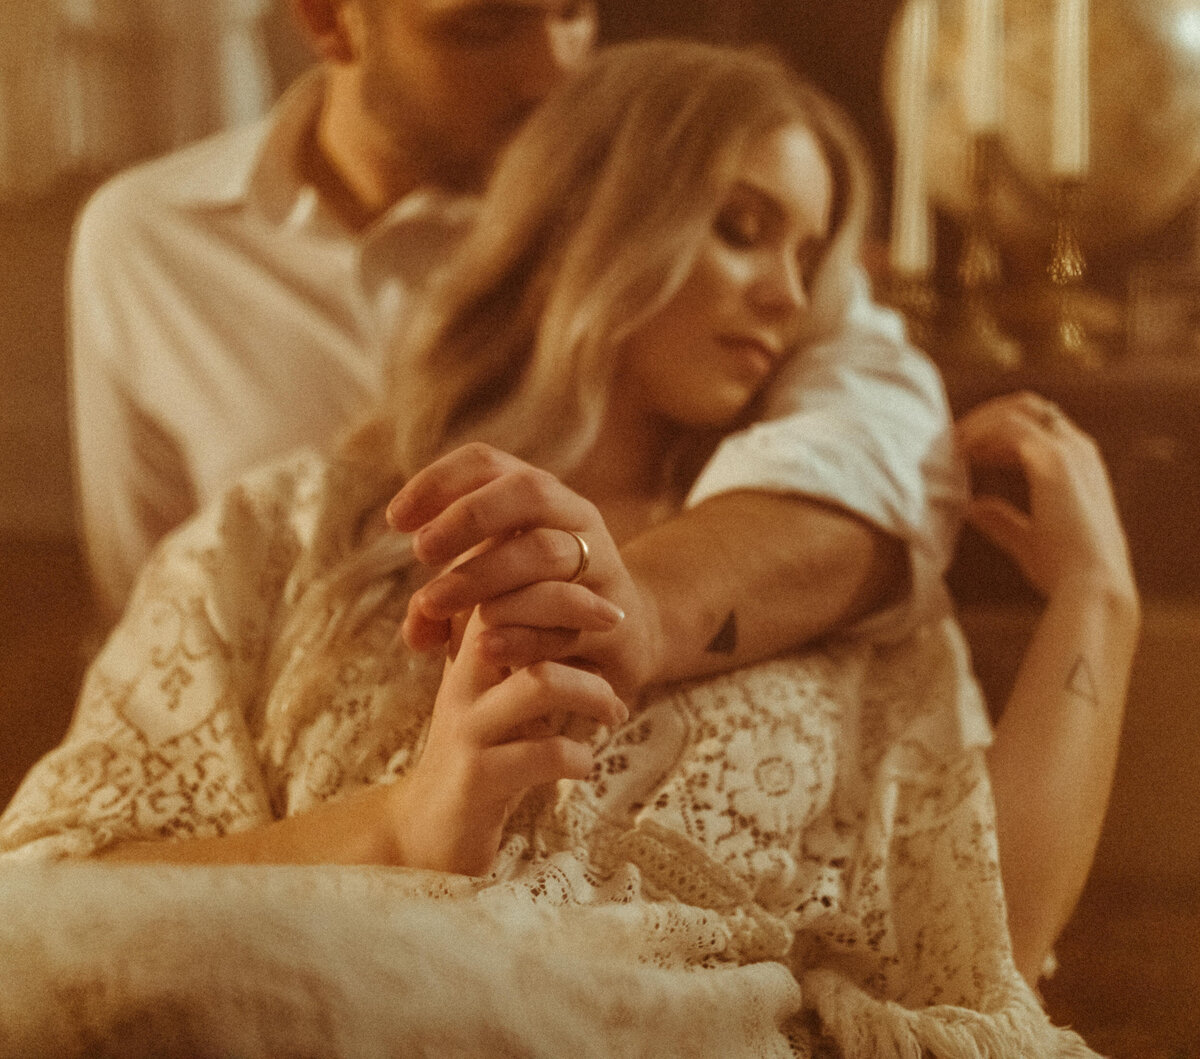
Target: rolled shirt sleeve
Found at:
860, 420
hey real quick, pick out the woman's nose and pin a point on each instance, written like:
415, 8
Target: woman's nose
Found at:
781, 287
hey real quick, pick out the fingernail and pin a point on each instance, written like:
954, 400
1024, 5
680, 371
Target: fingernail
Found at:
420, 543
610, 612
430, 603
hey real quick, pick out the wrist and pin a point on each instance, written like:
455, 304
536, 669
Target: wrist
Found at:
1112, 594
432, 828
363, 826
400, 827
649, 665
1108, 587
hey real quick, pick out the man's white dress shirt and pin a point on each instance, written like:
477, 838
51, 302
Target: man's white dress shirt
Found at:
222, 316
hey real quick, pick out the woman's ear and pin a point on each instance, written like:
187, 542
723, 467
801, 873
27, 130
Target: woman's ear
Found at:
331, 27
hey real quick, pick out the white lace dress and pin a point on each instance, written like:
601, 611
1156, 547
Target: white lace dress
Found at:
800, 854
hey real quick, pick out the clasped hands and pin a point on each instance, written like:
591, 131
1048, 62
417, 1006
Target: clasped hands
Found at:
533, 643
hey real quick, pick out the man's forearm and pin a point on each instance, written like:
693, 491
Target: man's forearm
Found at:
745, 575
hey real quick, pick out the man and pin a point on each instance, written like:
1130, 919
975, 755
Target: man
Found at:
230, 301
227, 301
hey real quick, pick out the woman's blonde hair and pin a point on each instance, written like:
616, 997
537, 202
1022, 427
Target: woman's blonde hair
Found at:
591, 223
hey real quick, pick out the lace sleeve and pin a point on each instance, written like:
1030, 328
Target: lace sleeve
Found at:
161, 742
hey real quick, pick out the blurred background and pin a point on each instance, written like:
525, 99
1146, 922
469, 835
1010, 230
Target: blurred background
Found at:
90, 86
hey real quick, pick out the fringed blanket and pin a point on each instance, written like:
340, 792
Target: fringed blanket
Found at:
796, 859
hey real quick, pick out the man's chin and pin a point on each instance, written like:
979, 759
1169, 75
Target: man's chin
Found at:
466, 175
469, 169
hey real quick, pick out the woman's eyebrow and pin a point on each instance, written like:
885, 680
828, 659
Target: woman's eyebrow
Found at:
761, 196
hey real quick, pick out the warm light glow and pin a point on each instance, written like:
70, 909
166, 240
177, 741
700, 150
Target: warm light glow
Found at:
983, 65
910, 251
1187, 29
1070, 130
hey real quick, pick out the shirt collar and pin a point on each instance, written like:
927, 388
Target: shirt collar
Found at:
257, 164
272, 180
264, 172
274, 184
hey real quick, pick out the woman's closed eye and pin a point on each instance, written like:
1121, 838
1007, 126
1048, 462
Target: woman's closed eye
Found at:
741, 226
746, 227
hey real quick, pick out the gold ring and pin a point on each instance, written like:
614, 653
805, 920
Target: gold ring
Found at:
584, 553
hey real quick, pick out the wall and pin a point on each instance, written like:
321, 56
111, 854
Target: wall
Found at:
35, 491
35, 496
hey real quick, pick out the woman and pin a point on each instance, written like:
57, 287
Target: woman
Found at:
255, 703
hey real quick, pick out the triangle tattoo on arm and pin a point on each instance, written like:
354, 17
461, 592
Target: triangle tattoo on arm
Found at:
725, 642
1081, 683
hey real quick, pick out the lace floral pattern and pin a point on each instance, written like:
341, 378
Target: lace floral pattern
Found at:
828, 811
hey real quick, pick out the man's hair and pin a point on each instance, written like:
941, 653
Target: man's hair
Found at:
591, 223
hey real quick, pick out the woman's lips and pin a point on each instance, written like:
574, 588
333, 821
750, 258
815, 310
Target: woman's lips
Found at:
755, 352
